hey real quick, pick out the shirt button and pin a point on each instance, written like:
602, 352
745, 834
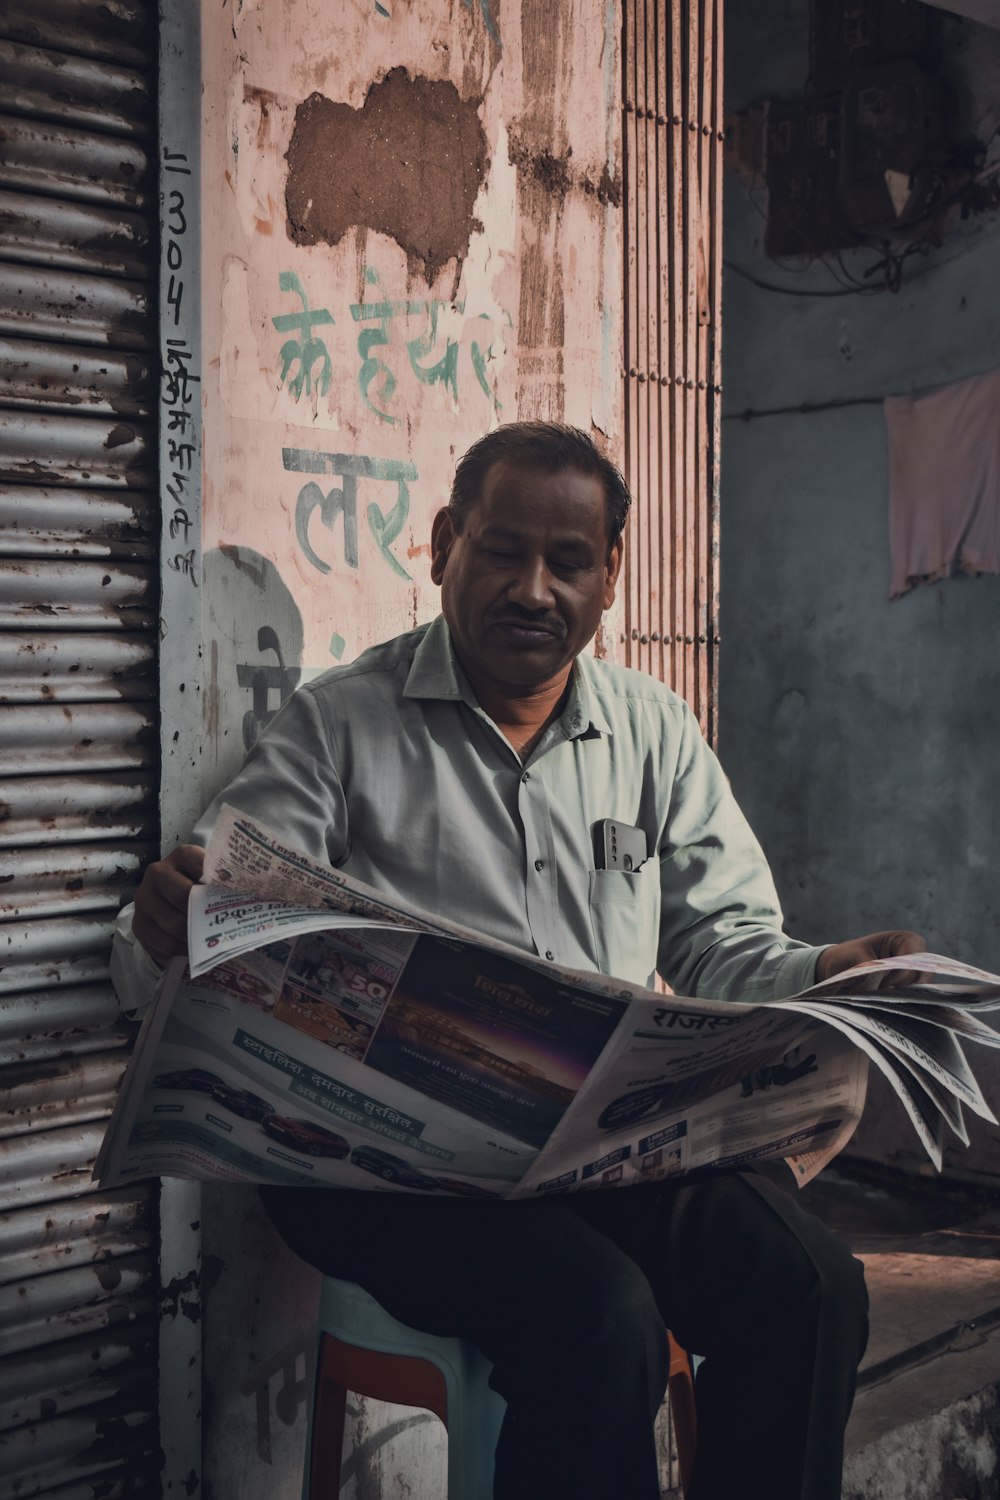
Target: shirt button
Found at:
539, 864
549, 954
526, 777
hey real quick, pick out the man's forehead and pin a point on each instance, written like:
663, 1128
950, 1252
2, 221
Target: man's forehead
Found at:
573, 495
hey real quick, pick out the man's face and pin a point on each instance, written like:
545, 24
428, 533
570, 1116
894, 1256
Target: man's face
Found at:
526, 580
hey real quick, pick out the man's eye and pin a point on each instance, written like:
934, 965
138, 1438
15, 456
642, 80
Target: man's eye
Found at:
499, 554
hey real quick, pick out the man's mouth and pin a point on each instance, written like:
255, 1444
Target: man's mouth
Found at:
528, 632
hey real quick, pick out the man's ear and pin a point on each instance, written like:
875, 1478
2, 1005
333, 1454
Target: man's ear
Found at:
612, 568
442, 536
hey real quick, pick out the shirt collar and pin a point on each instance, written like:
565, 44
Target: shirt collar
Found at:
435, 673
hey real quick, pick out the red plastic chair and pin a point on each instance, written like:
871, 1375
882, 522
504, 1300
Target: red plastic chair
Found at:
365, 1350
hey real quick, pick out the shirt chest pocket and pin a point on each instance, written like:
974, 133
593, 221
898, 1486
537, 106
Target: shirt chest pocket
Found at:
625, 916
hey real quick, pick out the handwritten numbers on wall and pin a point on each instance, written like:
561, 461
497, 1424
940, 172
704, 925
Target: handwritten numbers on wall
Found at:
180, 382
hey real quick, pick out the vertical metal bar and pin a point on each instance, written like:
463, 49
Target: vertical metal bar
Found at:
630, 145
671, 67
692, 70
714, 377
651, 563
642, 323
660, 622
705, 313
676, 208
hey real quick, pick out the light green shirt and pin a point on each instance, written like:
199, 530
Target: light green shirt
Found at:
389, 769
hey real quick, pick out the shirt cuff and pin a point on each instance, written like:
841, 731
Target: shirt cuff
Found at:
798, 971
135, 974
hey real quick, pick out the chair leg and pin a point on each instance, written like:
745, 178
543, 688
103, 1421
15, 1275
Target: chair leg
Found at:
680, 1388
327, 1448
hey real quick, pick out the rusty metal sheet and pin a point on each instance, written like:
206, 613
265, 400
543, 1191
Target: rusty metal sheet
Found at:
115, 30
43, 449
116, 1485
78, 749
67, 1374
92, 93
46, 1167
44, 882
39, 521
46, 156
42, 302
39, 1240
54, 377
53, 738
46, 1092
84, 1446
64, 809
60, 595
74, 668
63, 951
85, 1296
56, 1023
76, 236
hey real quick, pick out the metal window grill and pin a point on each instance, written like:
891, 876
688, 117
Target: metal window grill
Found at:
673, 136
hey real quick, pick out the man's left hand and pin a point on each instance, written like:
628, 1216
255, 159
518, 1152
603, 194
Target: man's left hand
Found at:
862, 950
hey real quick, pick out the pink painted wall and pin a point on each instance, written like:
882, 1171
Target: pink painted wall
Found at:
411, 231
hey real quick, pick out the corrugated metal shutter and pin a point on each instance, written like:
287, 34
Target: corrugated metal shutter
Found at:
673, 137
78, 740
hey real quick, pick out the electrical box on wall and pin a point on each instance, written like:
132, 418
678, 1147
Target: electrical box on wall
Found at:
866, 152
801, 168
891, 139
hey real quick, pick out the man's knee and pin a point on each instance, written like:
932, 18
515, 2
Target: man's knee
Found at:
760, 1263
600, 1322
815, 1283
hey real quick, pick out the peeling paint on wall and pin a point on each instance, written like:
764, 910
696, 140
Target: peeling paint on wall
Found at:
409, 163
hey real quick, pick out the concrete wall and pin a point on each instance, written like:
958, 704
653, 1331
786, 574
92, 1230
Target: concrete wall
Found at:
410, 231
861, 735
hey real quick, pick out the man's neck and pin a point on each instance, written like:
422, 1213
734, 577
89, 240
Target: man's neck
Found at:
523, 718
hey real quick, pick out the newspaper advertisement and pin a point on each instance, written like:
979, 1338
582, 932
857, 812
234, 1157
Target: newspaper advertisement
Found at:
323, 1034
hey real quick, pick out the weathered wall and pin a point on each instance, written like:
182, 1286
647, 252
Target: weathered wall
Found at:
410, 231
861, 736
398, 212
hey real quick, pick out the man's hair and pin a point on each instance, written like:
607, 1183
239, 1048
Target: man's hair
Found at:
540, 445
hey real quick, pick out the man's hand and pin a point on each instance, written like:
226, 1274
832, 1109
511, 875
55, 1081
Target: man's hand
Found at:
160, 920
861, 950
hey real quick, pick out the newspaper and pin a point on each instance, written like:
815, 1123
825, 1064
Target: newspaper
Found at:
322, 1033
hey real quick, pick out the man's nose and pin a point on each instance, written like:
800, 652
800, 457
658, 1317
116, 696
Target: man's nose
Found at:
532, 587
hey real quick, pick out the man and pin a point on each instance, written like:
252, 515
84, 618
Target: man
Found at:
463, 766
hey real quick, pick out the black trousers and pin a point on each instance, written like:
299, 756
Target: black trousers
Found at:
570, 1296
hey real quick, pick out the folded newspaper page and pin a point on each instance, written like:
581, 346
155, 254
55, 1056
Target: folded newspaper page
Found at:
322, 1033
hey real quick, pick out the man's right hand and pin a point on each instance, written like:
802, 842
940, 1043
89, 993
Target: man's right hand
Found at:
160, 919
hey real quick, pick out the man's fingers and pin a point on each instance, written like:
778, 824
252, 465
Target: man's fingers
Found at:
892, 944
895, 945
161, 902
187, 859
898, 943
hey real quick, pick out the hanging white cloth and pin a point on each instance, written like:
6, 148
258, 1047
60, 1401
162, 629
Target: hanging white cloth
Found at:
944, 482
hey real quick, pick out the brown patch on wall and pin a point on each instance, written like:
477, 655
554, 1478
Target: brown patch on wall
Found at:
408, 163
541, 154
556, 173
